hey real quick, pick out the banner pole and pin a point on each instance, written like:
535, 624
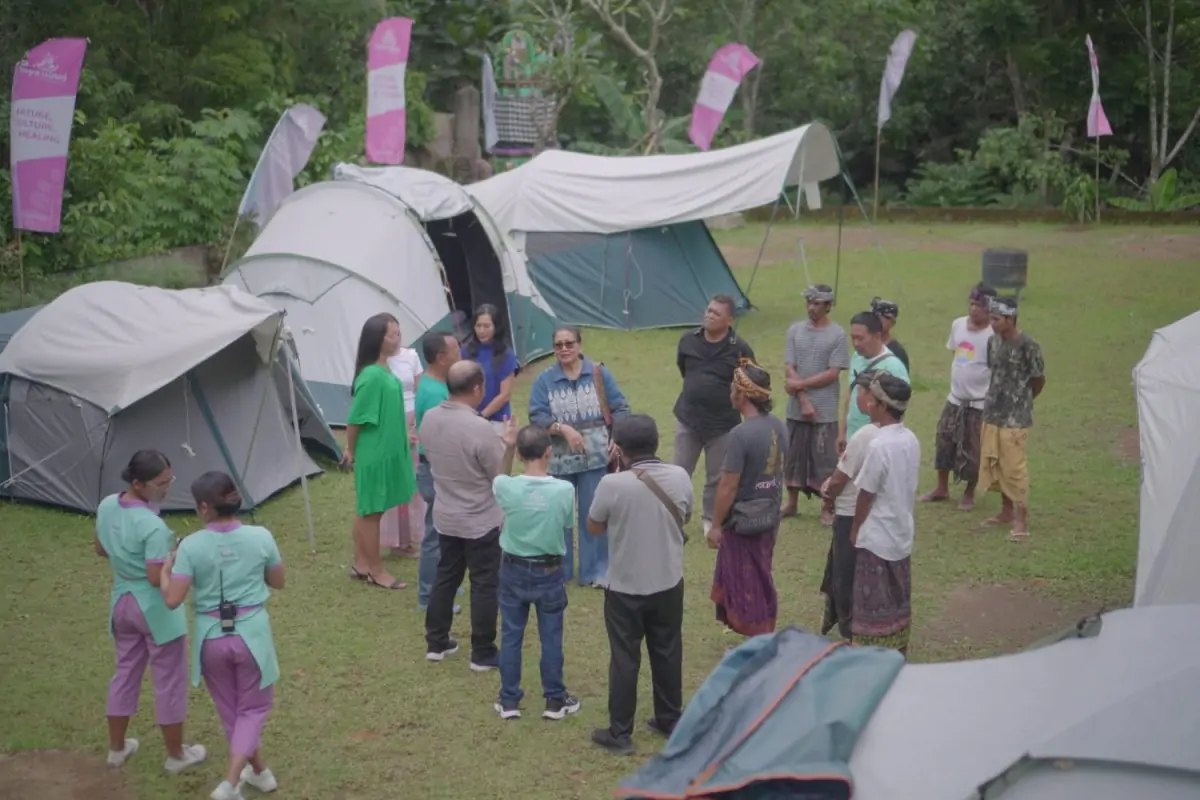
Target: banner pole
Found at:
878, 140
1097, 179
229, 246
21, 267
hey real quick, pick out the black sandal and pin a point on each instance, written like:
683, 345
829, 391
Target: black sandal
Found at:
355, 575
395, 584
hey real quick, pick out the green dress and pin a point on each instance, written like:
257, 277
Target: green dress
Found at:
383, 467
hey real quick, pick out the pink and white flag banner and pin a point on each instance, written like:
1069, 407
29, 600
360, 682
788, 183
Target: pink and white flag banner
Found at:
720, 83
44, 86
893, 73
387, 61
285, 156
1097, 122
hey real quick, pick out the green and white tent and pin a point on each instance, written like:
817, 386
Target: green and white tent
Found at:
620, 242
386, 239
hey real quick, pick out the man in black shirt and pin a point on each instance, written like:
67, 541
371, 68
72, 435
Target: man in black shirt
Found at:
887, 311
704, 414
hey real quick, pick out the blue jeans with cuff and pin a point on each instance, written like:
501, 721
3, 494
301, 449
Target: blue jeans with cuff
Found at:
525, 583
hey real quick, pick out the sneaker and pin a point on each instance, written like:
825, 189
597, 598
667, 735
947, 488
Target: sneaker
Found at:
486, 664
193, 754
621, 745
439, 655
505, 711
262, 781
559, 707
117, 758
227, 791
653, 726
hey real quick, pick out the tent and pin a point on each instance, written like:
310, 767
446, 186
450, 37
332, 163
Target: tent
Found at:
11, 322
620, 242
109, 368
1167, 380
1109, 712
389, 239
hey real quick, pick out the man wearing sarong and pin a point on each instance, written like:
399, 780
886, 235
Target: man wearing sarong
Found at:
816, 352
870, 353
841, 497
961, 423
1018, 376
883, 527
747, 510
888, 312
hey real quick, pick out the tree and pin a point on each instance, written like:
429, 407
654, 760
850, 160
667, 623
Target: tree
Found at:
1160, 126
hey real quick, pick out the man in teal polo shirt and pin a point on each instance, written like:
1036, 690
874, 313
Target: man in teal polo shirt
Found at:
870, 353
440, 351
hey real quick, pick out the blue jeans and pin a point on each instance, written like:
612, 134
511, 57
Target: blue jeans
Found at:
430, 552
593, 550
521, 585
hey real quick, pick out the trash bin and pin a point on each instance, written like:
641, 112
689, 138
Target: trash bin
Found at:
1006, 269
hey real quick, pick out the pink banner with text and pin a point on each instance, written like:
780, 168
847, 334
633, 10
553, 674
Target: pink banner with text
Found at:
43, 107
387, 61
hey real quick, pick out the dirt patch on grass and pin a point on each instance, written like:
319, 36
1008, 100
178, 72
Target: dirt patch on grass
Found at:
1128, 446
1178, 247
1002, 617
59, 775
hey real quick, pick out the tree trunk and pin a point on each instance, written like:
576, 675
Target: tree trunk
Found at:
1014, 77
1152, 91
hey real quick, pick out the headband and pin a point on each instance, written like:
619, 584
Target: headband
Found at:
1002, 306
884, 308
746, 386
980, 296
818, 295
882, 396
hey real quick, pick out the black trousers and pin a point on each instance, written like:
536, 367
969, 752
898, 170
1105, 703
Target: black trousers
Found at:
657, 619
481, 559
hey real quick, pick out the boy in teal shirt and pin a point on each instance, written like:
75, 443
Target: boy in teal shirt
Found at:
537, 509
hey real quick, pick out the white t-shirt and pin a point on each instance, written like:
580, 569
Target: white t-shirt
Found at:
969, 373
890, 472
850, 464
406, 365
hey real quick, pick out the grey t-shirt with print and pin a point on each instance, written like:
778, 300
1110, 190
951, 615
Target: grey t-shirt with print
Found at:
645, 546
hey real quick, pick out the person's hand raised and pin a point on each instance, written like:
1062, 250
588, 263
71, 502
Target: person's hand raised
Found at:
509, 437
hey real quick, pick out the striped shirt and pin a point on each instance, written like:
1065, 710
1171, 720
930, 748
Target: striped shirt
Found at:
811, 350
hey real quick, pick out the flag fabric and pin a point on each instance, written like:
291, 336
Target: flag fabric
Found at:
44, 86
286, 154
387, 60
488, 105
893, 73
1097, 122
720, 83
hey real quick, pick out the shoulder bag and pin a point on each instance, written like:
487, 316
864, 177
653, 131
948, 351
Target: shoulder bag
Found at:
661, 494
614, 464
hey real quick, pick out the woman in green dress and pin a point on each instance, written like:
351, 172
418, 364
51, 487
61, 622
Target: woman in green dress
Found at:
377, 446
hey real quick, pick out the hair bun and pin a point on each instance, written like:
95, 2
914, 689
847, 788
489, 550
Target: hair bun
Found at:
233, 498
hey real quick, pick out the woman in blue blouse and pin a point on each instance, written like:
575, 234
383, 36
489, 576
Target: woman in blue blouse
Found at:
565, 401
488, 347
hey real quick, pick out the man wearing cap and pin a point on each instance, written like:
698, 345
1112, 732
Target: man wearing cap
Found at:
888, 312
816, 352
961, 423
1018, 376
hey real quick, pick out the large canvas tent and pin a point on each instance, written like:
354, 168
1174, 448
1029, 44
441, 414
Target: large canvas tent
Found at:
404, 241
620, 242
110, 368
1108, 712
1167, 380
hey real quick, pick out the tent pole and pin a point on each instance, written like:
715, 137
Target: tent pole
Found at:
312, 536
761, 249
21, 267
837, 268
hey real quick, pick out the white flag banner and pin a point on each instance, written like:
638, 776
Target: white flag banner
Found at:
893, 73
286, 154
488, 105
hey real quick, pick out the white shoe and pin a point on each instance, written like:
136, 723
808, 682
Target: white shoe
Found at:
117, 758
193, 754
227, 792
262, 781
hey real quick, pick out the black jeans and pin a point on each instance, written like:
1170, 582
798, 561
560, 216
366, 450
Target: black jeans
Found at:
658, 619
481, 558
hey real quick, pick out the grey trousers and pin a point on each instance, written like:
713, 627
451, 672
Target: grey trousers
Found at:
688, 447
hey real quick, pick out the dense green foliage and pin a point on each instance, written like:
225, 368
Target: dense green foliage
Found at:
178, 98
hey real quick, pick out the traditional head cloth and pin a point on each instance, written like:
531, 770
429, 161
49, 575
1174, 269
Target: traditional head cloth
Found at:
880, 394
982, 296
884, 308
746, 386
1002, 306
819, 294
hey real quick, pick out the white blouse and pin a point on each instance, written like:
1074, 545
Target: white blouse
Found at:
406, 365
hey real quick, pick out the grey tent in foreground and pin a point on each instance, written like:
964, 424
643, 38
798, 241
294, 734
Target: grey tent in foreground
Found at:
12, 321
109, 368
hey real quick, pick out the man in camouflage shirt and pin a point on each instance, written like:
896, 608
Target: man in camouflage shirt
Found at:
1018, 376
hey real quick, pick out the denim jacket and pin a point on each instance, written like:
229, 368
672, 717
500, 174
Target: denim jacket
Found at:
557, 398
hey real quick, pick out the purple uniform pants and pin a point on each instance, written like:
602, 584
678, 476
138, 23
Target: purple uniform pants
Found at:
232, 677
135, 649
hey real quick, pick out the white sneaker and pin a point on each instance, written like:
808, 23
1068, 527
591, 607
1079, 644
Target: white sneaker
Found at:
262, 781
227, 792
117, 758
193, 754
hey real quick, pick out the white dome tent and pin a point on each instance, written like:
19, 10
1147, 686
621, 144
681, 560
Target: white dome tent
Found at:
404, 241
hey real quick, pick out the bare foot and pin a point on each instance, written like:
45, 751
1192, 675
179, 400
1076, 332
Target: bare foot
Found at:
999, 519
934, 497
967, 504
788, 511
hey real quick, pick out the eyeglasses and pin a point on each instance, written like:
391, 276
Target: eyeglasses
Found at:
565, 345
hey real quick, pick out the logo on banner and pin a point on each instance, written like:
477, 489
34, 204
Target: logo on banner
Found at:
388, 42
46, 69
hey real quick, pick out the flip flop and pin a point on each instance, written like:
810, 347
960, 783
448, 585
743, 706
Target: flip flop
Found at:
965, 506
395, 584
930, 497
1018, 536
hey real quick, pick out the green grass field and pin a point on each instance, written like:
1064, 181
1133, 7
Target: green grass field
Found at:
360, 714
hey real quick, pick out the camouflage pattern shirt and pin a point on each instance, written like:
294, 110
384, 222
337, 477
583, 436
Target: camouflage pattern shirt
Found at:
1014, 363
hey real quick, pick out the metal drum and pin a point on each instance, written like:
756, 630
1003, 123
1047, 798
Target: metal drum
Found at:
1006, 269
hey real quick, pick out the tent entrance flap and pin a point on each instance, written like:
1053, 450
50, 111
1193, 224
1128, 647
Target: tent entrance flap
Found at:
473, 275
